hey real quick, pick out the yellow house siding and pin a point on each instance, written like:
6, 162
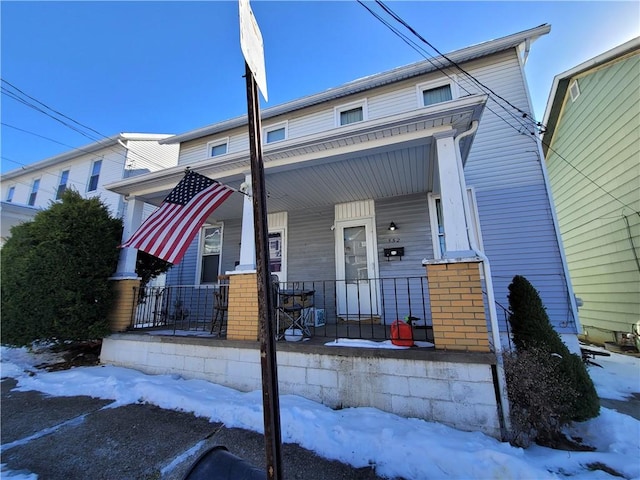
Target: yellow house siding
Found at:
599, 135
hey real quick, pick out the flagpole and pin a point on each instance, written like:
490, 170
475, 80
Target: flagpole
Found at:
270, 398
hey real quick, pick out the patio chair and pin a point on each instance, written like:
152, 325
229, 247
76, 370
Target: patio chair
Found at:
293, 314
221, 305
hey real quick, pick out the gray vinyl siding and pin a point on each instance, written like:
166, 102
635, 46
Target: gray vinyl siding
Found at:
503, 166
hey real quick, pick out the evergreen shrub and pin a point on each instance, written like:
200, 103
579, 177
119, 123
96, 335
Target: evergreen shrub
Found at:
55, 273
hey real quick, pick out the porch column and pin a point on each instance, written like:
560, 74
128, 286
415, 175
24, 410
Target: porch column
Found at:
451, 191
125, 278
247, 239
132, 220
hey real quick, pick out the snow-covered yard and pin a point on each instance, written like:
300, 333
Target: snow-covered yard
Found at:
365, 436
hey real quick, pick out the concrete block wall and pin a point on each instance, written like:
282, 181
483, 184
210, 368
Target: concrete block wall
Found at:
457, 306
444, 389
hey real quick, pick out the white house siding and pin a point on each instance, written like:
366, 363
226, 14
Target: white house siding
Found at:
150, 156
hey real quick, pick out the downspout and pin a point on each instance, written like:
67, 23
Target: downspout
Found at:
493, 317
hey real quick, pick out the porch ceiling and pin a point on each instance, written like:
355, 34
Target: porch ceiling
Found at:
375, 159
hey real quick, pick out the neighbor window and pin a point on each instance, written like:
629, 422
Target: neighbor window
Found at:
275, 133
210, 250
217, 148
352, 113
62, 185
574, 90
10, 193
95, 176
34, 192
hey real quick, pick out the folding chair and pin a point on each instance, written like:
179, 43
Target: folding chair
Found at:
293, 312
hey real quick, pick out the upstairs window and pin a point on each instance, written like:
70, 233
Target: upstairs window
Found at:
434, 92
351, 113
217, 148
95, 176
275, 133
34, 192
210, 250
62, 185
10, 193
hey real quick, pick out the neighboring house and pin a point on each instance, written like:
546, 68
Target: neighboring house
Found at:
417, 191
24, 191
592, 149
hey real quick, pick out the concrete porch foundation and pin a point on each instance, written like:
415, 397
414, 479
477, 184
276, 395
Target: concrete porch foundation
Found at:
453, 388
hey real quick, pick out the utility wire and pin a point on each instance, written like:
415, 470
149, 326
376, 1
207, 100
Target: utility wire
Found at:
478, 83
90, 136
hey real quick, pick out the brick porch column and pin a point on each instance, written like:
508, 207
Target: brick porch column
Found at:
242, 322
457, 306
124, 304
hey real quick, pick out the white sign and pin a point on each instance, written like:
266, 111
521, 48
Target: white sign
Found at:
252, 46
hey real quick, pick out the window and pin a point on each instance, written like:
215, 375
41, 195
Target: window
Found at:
10, 193
437, 223
574, 90
275, 252
95, 175
217, 148
275, 133
210, 250
351, 113
434, 92
34, 192
62, 185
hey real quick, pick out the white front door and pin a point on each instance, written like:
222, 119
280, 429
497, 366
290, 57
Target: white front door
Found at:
356, 269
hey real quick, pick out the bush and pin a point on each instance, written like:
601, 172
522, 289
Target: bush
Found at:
55, 273
552, 368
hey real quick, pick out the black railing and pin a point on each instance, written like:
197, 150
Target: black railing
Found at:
332, 308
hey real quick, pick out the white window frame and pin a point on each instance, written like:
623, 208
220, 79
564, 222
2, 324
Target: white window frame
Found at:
10, 193
272, 128
216, 143
201, 253
433, 218
574, 90
33, 195
430, 85
351, 106
97, 175
62, 185
278, 223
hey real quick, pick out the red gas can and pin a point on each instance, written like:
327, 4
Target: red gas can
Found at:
401, 334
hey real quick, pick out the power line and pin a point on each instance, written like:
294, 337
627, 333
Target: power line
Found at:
90, 136
478, 83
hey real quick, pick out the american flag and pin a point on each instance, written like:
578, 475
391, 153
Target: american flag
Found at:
169, 230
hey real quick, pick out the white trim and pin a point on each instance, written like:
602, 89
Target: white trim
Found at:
351, 106
198, 279
278, 223
217, 143
272, 128
440, 82
433, 218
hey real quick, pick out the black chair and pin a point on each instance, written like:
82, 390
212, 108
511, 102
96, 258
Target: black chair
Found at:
221, 305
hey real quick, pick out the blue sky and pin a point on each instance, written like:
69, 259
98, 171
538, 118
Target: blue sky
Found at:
169, 67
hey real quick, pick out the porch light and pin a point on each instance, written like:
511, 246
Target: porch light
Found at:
392, 226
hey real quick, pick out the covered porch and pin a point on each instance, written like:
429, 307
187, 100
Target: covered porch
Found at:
333, 200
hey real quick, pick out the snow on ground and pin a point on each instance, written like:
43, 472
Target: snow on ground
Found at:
397, 446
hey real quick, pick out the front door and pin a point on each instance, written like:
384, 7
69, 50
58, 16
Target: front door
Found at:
356, 269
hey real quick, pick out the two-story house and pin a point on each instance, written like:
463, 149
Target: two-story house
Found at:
86, 169
592, 150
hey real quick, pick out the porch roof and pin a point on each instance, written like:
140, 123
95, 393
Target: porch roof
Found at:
379, 158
